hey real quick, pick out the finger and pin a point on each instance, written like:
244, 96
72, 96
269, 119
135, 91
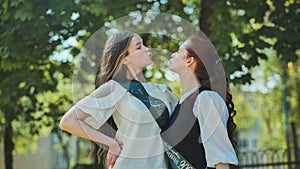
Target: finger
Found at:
108, 159
113, 161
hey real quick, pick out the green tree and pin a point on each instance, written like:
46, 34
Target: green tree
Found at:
241, 33
271, 33
31, 31
29, 35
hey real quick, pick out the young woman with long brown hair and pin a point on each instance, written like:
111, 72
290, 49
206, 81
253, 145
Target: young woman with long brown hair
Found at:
123, 95
200, 133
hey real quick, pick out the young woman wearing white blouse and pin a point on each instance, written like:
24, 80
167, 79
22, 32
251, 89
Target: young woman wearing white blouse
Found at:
201, 127
136, 142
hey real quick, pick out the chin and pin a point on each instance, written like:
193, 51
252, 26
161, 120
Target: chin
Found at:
170, 68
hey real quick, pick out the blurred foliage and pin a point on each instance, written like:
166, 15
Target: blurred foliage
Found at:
261, 104
250, 27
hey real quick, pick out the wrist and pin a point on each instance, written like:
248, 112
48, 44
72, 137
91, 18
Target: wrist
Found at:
113, 143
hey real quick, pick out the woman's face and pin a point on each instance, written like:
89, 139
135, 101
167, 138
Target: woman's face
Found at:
178, 59
139, 55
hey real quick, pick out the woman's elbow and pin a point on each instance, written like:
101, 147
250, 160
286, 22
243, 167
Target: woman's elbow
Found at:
222, 166
70, 120
67, 121
64, 123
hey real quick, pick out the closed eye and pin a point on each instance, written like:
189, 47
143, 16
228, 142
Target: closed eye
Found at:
138, 45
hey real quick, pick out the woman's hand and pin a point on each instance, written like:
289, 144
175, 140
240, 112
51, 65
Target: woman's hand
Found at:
113, 153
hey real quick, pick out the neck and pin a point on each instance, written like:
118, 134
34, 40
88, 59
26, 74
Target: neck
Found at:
135, 75
188, 81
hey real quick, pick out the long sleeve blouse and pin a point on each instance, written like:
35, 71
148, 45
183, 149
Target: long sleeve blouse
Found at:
212, 115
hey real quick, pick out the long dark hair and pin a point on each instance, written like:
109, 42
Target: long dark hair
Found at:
110, 67
206, 58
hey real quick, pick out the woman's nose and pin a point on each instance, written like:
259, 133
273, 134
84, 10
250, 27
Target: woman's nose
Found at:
146, 49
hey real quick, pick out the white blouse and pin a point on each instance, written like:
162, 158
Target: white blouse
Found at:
212, 114
137, 129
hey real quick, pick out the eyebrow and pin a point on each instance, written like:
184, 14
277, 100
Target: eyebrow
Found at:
138, 43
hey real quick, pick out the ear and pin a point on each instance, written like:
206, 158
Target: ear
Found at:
190, 61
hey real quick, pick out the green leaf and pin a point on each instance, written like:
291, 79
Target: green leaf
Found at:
23, 15
98, 8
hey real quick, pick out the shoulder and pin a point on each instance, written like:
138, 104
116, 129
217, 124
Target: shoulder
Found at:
208, 99
110, 85
210, 103
209, 96
165, 93
108, 88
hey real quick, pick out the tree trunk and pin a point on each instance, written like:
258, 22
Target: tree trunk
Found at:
8, 146
298, 99
286, 110
205, 14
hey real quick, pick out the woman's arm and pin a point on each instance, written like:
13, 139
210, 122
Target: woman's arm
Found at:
72, 122
91, 112
212, 114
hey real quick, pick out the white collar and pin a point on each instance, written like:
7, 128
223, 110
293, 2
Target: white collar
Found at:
188, 93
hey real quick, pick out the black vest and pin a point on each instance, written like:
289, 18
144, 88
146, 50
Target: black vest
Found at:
183, 133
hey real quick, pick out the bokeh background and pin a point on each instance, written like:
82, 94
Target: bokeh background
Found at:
41, 40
